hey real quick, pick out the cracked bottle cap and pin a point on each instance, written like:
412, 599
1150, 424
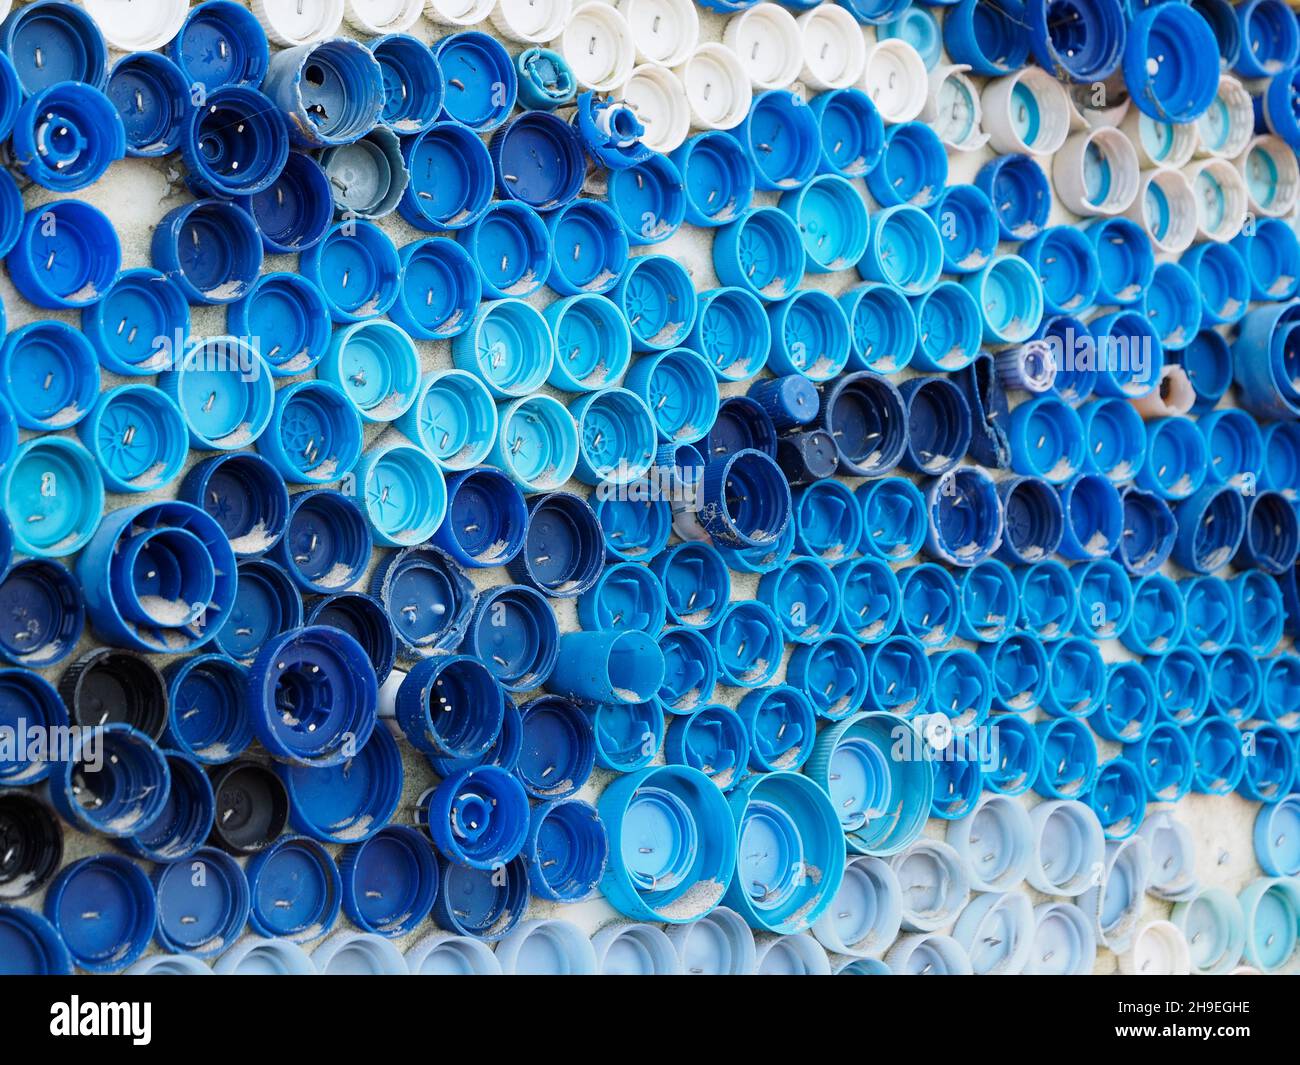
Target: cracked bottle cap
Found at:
953, 108
1177, 86
566, 850
220, 43
330, 90
51, 42
1214, 927
49, 375
295, 890
1069, 764
350, 802
252, 807
104, 909
33, 844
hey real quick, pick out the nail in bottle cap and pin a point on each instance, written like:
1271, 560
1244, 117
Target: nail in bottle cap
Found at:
210, 248
1068, 848
1020, 191
51, 42
346, 803
149, 92
48, 599
50, 375
566, 850
67, 255
252, 807
1069, 763
220, 43
295, 889
913, 169
104, 909
894, 76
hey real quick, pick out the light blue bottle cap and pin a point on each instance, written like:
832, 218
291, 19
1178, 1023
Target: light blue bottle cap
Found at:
762, 251
53, 493
948, 327
882, 327
1182, 685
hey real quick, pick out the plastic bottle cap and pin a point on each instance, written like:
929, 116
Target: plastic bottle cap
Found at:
296, 890
834, 49
537, 443
515, 630
1082, 42
288, 25
1027, 111
443, 954
1019, 190
894, 76
220, 43
1272, 175
347, 803
201, 916
1096, 172
103, 907
331, 89
266, 603
953, 108
566, 850
55, 521
31, 705
1214, 928
66, 256
915, 25
148, 90
31, 830
717, 86
935, 883
563, 550
139, 437
108, 685
458, 12
659, 99
1270, 908
50, 43
264, 957
997, 930
383, 16
994, 43
598, 44
50, 375
1069, 764
211, 249
929, 954
252, 807
1177, 86
1064, 942
852, 132
1068, 848
913, 169
769, 44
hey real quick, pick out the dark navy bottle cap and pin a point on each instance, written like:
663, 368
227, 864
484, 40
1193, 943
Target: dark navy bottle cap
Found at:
741, 424
807, 457
350, 802
538, 159
295, 888
867, 416
481, 80
186, 818
52, 41
546, 80
558, 747
331, 91
104, 909
389, 881
49, 375
235, 144
30, 705
1149, 531
327, 542
1035, 519
220, 43
66, 256
485, 904
108, 685
252, 807
413, 83
717, 177
45, 600
938, 425
32, 845
266, 603
210, 248
451, 708
1021, 193
965, 516
1271, 538
295, 211
563, 548
149, 92
113, 781
746, 500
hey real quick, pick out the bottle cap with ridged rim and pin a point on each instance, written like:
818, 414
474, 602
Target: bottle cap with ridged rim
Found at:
220, 43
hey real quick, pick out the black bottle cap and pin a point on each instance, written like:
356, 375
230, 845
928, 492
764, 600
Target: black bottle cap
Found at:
31, 844
108, 685
252, 807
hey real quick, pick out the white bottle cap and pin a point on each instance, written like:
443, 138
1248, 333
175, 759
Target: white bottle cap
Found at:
1160, 143
795, 955
388, 695
1096, 172
1226, 128
378, 17
766, 38
597, 45
1272, 175
1219, 190
952, 108
1027, 111
1172, 398
665, 31
530, 21
132, 25
458, 12
294, 22
443, 954
834, 48
658, 97
1166, 208
895, 78
716, 86
1158, 949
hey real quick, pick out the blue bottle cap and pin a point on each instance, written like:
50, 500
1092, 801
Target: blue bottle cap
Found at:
1182, 684
649, 199
1280, 470
1271, 910
1281, 701
1173, 306
990, 602
253, 956
1224, 280
545, 78
968, 225
185, 821
681, 390
1177, 459
1211, 613
266, 603
948, 326
713, 740
49, 375
1173, 86
995, 43
904, 250
547, 947
1275, 840
451, 707
1119, 798
481, 903
314, 433
1158, 618
558, 747
882, 327
1116, 438
252, 807
295, 211
1010, 298
566, 850
965, 516
413, 83
140, 309
225, 393
1072, 347
220, 43
629, 735
103, 908
66, 256
138, 436
900, 675
538, 160
235, 144
1149, 531
1116, 896
1236, 683
748, 643
209, 248
919, 28
11, 212
486, 518
358, 269
327, 541
46, 599
746, 501
717, 178
1048, 599
963, 692
983, 924
295, 890
1068, 269
732, 333
852, 133
127, 775
1068, 847
30, 704
451, 178
805, 458
52, 42
289, 316
690, 675
1222, 19
515, 632
1271, 538
938, 424
893, 518
1218, 755
325, 673
1019, 189
1270, 768
1035, 519
1235, 446
350, 802
389, 881
832, 219
368, 177
1213, 924
617, 437
1272, 257
453, 418
536, 443
1162, 755
563, 549
810, 334
930, 603
1260, 611
832, 673
626, 597
761, 251
613, 665
207, 708
331, 91
996, 841
481, 80
1093, 509
804, 595
376, 366
1078, 41
54, 496
37, 842
1211, 524
867, 416
1069, 762
1017, 665
870, 599
741, 424
589, 248
149, 92
633, 528
913, 168
782, 139
696, 582
1260, 356
512, 247
593, 344
635, 950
